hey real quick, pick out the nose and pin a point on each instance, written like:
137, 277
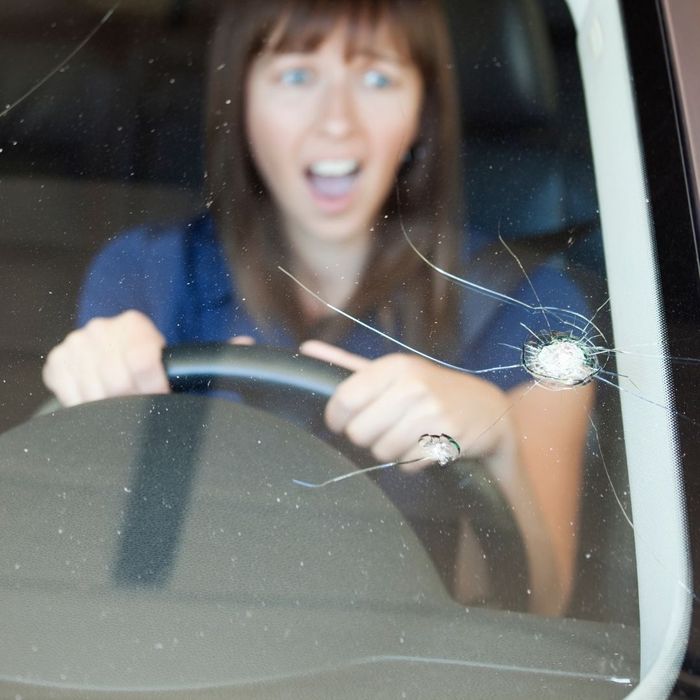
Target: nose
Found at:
338, 113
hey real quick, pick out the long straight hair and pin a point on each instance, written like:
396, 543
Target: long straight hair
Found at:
396, 286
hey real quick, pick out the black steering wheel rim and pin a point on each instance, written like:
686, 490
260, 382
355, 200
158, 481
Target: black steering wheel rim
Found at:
248, 367
252, 370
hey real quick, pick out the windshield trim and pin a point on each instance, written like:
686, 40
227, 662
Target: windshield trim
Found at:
660, 532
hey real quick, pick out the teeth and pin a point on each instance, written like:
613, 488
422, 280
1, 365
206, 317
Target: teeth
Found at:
334, 168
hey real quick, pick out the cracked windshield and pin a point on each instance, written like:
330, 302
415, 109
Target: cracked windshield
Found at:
309, 378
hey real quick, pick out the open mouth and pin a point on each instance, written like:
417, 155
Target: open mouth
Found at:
333, 178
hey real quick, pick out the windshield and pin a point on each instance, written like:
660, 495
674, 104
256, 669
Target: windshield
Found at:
359, 386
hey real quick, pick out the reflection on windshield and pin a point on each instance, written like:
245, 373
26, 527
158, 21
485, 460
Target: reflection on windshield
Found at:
516, 315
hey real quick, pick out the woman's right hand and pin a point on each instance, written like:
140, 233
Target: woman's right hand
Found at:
117, 356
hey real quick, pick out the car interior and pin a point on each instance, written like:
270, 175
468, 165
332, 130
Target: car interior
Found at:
113, 140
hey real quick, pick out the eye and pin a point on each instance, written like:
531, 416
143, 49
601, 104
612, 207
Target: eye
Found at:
376, 79
296, 76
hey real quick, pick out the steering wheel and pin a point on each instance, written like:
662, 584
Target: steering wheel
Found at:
297, 387
265, 376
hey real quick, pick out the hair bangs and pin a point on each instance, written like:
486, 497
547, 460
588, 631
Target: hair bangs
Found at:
305, 25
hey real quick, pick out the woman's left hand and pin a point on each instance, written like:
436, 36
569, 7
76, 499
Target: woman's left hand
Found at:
388, 403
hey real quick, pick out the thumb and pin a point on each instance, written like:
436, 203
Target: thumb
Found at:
334, 355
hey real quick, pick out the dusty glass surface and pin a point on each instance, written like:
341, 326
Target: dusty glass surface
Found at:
179, 543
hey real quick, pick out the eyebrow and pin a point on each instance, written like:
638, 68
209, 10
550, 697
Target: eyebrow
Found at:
381, 55
370, 53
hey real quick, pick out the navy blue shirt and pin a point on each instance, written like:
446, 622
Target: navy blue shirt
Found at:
179, 277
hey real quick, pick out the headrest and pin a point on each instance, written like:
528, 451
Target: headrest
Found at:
505, 60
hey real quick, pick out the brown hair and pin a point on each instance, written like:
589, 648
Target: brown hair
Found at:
402, 291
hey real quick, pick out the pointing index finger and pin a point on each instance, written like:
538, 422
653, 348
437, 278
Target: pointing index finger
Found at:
334, 355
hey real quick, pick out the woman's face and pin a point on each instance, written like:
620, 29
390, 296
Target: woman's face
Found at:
328, 132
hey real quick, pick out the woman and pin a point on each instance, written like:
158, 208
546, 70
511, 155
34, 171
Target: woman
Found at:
330, 124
